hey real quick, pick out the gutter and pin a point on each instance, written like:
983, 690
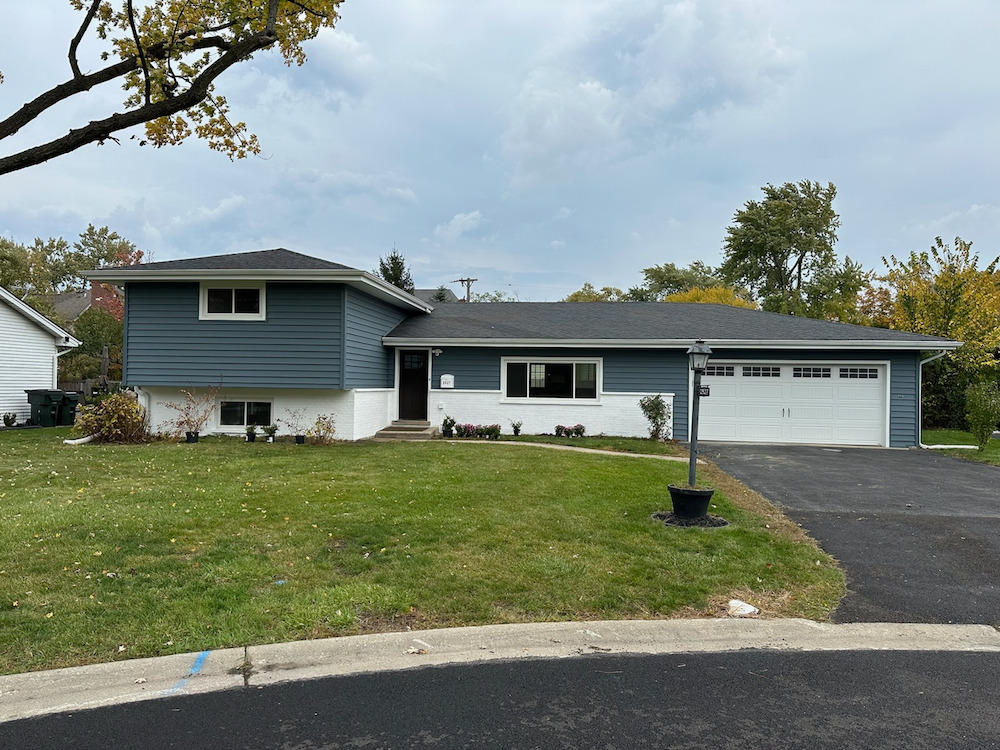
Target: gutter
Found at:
920, 419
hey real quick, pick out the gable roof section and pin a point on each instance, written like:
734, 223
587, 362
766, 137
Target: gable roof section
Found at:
261, 265
62, 338
639, 325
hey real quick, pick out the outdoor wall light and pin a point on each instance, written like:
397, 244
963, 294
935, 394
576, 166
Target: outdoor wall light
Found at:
698, 353
437, 352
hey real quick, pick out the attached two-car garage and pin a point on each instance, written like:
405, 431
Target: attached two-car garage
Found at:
827, 403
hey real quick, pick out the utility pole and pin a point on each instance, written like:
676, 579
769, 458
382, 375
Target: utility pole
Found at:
468, 287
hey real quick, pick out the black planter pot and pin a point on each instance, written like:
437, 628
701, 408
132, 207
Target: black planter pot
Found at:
690, 502
190, 437
251, 437
300, 439
447, 432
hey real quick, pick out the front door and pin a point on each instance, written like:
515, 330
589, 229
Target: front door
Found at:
413, 384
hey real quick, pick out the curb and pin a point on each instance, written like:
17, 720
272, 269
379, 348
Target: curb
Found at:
80, 688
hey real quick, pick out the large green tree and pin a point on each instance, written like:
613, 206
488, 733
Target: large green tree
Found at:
36, 272
167, 55
658, 283
944, 292
781, 249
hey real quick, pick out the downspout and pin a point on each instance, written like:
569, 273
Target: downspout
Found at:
920, 405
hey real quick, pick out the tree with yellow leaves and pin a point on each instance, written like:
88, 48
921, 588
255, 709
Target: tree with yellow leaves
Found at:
943, 292
168, 54
718, 295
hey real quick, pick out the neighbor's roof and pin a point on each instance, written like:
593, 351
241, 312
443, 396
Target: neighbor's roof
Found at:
640, 324
62, 338
261, 265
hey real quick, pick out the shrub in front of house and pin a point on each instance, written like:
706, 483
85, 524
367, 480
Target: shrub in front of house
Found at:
657, 413
982, 403
323, 430
118, 418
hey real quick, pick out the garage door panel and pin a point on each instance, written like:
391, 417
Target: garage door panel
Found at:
750, 410
811, 392
810, 408
812, 433
811, 412
759, 433
761, 390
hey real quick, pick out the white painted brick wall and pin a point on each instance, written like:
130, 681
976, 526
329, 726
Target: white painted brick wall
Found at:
612, 414
360, 414
310, 403
373, 410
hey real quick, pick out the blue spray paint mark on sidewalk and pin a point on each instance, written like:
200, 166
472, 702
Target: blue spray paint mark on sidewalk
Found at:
195, 669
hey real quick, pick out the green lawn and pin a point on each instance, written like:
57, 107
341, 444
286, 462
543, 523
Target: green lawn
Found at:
111, 552
959, 437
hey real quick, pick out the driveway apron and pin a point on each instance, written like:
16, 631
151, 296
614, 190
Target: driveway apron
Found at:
918, 533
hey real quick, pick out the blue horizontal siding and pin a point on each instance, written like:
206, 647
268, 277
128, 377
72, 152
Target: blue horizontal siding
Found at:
299, 345
367, 363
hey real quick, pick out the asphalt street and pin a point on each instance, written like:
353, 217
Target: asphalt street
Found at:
760, 699
917, 533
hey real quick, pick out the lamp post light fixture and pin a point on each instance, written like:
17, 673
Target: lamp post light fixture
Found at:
698, 355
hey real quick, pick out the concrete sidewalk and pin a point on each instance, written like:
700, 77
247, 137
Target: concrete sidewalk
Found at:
79, 688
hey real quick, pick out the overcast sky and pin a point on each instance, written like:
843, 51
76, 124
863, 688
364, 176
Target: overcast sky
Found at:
537, 145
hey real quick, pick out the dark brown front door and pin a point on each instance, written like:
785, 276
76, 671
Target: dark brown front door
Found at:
413, 384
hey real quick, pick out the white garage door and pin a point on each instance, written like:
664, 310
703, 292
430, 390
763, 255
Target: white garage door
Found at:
788, 402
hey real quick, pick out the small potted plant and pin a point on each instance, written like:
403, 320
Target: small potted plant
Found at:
516, 427
9, 419
193, 413
269, 432
448, 426
295, 422
251, 432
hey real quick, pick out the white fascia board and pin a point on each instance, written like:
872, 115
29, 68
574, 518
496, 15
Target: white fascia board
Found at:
63, 338
359, 279
853, 344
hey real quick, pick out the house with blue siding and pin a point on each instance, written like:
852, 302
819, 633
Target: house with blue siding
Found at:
277, 333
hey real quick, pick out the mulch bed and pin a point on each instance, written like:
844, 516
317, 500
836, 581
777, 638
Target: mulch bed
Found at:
703, 522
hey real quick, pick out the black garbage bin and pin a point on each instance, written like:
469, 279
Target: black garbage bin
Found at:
67, 408
44, 404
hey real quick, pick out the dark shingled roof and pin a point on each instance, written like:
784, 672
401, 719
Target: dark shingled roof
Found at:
634, 321
260, 260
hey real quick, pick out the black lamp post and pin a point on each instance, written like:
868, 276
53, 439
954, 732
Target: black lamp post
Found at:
698, 354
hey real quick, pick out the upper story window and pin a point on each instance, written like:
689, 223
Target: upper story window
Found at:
232, 301
551, 379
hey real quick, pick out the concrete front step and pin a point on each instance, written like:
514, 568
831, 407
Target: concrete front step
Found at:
407, 430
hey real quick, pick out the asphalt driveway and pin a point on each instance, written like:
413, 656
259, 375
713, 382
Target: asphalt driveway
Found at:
918, 533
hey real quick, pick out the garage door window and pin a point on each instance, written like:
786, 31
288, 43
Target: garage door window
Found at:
859, 373
725, 371
761, 371
810, 372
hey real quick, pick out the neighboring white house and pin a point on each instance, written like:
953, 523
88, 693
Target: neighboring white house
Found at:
30, 344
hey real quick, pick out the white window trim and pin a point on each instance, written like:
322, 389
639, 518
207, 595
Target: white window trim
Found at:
504, 361
245, 400
204, 314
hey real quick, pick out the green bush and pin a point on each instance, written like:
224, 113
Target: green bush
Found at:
656, 411
982, 402
117, 418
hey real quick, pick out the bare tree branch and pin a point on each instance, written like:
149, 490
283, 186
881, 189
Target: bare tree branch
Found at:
74, 45
307, 9
78, 85
101, 130
142, 55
